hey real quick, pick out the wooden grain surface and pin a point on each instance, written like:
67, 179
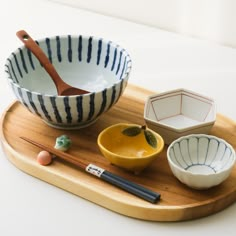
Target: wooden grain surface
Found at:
178, 202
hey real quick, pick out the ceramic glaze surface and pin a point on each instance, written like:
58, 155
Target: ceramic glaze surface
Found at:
93, 64
179, 112
129, 152
201, 161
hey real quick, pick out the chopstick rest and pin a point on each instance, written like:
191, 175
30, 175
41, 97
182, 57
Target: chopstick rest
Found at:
103, 174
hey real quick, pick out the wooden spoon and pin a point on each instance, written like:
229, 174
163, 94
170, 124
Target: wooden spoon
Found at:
63, 88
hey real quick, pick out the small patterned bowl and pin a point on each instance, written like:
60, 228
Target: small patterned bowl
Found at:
201, 161
93, 64
129, 146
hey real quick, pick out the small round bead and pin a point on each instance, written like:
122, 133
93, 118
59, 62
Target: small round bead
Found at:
44, 158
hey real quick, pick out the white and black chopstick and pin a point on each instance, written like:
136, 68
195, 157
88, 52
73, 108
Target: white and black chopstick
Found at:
103, 174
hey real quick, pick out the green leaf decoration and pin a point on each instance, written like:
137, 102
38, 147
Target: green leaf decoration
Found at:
132, 131
151, 139
135, 130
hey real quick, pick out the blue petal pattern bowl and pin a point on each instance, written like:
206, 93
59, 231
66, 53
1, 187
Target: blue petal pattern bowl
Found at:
201, 161
93, 64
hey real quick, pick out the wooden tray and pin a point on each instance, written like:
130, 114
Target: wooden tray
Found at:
177, 203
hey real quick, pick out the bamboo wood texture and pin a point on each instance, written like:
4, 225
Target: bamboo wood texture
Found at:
62, 87
178, 202
101, 173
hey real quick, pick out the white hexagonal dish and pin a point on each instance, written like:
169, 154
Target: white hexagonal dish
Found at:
179, 112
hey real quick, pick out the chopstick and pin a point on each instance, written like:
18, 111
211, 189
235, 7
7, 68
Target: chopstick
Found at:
101, 173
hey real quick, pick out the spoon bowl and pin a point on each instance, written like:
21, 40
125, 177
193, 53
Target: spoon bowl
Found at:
63, 88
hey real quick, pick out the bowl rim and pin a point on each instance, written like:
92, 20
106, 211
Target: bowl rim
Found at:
64, 36
161, 143
171, 127
201, 135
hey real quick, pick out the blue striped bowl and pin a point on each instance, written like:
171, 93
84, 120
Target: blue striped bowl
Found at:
94, 64
201, 161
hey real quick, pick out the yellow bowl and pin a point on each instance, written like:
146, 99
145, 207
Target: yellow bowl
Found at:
134, 151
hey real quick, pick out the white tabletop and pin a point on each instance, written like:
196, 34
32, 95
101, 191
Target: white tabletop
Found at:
161, 61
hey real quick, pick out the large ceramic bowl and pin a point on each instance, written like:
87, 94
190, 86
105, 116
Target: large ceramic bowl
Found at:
130, 146
93, 64
179, 112
201, 161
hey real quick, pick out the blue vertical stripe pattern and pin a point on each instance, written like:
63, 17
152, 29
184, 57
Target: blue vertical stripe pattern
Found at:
121, 87
104, 102
113, 96
79, 105
29, 53
67, 109
13, 71
49, 51
91, 106
114, 60
21, 97
212, 153
89, 53
23, 61
80, 48
58, 42
99, 51
29, 95
69, 49
43, 107
107, 55
118, 67
57, 109
123, 69
17, 65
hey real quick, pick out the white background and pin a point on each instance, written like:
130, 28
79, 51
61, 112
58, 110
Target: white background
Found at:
209, 19
161, 61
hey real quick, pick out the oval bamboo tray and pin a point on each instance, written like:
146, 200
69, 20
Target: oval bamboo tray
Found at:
178, 202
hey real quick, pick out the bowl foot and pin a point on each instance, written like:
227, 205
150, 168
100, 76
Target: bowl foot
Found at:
70, 127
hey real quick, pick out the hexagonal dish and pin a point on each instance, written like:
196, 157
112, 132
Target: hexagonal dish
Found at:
179, 112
